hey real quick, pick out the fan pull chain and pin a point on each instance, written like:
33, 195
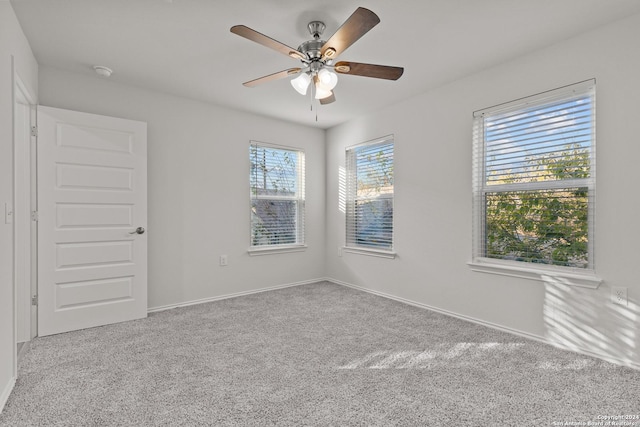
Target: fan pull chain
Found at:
311, 97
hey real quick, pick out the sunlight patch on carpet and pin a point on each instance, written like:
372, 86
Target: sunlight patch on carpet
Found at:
423, 359
573, 365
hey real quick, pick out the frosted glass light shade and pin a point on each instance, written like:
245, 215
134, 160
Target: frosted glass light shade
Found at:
321, 92
328, 79
301, 83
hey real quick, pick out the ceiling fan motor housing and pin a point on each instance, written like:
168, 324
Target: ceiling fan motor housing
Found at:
312, 48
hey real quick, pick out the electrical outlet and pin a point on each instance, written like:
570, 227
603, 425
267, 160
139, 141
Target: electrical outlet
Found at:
619, 295
223, 261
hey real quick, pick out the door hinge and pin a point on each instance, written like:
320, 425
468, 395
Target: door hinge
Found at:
34, 131
34, 216
34, 300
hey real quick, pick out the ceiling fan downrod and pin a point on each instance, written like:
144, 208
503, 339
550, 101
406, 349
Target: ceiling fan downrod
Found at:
316, 28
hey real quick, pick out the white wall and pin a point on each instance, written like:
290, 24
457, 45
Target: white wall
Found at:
198, 171
13, 44
433, 198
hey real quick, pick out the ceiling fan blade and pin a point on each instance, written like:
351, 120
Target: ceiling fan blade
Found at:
253, 35
275, 76
369, 70
356, 26
328, 100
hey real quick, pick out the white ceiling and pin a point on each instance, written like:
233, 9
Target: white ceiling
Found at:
185, 48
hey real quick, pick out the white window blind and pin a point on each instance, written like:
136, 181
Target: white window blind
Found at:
369, 213
277, 195
534, 179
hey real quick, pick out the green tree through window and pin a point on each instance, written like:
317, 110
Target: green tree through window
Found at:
277, 196
369, 219
534, 182
542, 226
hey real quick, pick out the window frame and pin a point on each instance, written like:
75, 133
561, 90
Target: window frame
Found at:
299, 198
350, 245
584, 277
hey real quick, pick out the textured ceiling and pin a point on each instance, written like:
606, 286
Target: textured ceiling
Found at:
185, 48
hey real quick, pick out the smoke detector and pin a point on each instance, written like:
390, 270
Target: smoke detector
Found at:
102, 70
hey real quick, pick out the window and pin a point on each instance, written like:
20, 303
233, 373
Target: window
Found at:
277, 196
369, 211
534, 179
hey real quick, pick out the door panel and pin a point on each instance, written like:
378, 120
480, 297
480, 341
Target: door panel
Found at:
92, 188
72, 215
92, 292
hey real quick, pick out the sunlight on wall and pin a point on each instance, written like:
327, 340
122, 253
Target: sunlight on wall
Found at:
575, 318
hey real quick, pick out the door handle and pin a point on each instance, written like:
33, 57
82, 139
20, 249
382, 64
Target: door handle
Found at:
139, 230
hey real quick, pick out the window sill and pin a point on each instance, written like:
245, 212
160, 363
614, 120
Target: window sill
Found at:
370, 252
553, 275
272, 250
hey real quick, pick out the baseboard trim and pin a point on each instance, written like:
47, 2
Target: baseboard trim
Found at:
4, 397
544, 340
227, 296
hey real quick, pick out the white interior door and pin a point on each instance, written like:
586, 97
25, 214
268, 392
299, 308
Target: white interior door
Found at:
92, 197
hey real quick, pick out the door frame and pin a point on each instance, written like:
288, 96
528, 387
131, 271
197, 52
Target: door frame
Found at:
24, 248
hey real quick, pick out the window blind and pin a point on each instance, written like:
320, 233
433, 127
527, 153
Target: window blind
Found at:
369, 213
277, 195
534, 178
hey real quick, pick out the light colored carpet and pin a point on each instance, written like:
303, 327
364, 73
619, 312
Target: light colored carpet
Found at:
314, 355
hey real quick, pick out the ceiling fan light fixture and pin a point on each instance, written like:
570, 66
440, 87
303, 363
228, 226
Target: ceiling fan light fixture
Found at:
327, 79
301, 83
322, 93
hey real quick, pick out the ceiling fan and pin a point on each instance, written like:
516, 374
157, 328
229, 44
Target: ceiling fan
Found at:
317, 56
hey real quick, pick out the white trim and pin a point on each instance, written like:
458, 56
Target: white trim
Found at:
586, 352
586, 279
370, 252
559, 184
276, 146
375, 141
298, 197
352, 197
22, 204
481, 188
539, 98
271, 250
4, 397
234, 295
276, 197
